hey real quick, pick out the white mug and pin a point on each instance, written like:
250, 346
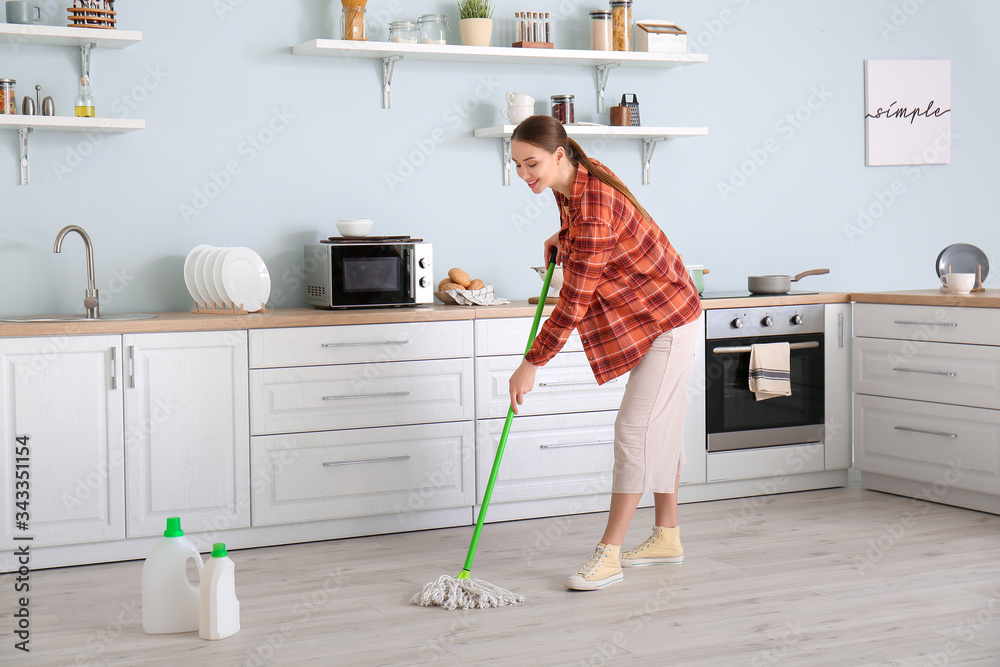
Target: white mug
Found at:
515, 115
520, 100
958, 283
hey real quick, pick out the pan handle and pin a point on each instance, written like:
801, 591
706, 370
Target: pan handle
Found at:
813, 272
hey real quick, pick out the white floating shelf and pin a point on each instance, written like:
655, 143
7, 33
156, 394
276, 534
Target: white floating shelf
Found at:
71, 123
54, 35
649, 136
391, 52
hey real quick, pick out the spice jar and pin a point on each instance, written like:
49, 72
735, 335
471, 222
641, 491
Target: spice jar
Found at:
352, 23
562, 109
433, 29
621, 25
600, 30
403, 31
8, 100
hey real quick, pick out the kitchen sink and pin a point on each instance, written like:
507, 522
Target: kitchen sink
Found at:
77, 318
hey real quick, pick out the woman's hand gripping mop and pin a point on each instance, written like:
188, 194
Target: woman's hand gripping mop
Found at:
463, 591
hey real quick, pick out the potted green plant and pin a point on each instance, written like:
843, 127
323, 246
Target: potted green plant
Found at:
476, 24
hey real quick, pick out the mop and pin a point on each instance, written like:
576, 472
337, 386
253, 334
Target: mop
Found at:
463, 591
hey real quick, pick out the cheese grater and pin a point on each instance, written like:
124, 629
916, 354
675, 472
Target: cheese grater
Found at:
633, 108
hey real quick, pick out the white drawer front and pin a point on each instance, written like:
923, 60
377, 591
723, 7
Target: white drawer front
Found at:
361, 343
565, 384
292, 400
773, 463
928, 323
510, 336
942, 445
548, 457
939, 372
342, 474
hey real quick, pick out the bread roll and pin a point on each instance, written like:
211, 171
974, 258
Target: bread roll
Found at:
447, 286
460, 277
444, 281
476, 284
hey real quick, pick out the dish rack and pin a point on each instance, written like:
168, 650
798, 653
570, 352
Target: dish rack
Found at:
92, 14
224, 309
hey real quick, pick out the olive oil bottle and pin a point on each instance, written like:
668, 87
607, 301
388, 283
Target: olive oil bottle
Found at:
84, 103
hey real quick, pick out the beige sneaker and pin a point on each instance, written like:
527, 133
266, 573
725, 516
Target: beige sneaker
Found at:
601, 570
662, 547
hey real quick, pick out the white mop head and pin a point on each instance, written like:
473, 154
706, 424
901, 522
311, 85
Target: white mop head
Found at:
452, 593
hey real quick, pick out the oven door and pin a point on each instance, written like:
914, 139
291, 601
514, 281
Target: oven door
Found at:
735, 419
371, 275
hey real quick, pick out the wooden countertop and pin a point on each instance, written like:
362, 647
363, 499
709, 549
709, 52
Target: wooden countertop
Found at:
312, 317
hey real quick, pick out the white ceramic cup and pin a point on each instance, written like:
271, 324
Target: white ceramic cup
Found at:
958, 283
520, 100
515, 115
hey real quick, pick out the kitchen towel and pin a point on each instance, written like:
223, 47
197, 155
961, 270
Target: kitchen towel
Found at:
474, 297
769, 370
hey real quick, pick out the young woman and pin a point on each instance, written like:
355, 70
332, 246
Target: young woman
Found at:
626, 291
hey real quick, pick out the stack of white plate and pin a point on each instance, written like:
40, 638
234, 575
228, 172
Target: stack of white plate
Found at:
227, 278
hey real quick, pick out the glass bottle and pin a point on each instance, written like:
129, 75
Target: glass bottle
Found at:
563, 108
433, 29
600, 30
352, 23
84, 103
621, 24
403, 31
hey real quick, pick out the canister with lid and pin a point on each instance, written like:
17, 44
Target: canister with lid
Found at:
600, 30
621, 25
404, 31
8, 99
433, 29
562, 108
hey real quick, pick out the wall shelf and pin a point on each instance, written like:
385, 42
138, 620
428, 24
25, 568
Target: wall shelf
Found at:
53, 35
648, 135
391, 52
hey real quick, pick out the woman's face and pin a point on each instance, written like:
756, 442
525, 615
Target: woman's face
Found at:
536, 166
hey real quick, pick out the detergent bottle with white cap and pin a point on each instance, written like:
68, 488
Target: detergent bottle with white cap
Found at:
220, 610
169, 600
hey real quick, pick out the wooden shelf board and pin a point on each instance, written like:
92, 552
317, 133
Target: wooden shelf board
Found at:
613, 131
64, 36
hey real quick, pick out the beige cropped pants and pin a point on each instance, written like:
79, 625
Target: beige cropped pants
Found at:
649, 429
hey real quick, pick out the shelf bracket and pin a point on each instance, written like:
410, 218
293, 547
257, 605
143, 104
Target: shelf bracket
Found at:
388, 64
603, 72
85, 57
506, 160
23, 135
648, 146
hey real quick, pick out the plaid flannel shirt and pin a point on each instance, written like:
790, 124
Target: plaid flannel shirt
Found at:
623, 282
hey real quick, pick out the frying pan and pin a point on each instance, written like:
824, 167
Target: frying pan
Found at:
778, 284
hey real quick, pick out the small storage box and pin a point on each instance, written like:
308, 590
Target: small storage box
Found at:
660, 37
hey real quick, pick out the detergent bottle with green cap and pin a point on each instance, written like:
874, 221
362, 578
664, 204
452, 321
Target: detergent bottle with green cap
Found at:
220, 610
169, 599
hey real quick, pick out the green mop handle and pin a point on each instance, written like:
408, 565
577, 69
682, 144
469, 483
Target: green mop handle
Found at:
464, 574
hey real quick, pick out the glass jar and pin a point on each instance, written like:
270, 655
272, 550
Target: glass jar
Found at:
404, 31
433, 29
352, 23
562, 108
8, 99
600, 30
621, 25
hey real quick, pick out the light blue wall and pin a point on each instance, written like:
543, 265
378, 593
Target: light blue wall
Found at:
210, 76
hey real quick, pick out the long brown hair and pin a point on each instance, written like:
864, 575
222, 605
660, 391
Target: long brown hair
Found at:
549, 134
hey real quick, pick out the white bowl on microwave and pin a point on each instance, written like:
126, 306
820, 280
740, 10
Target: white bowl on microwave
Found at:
354, 227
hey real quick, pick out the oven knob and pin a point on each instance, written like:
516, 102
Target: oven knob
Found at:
422, 282
796, 319
737, 323
767, 321
423, 263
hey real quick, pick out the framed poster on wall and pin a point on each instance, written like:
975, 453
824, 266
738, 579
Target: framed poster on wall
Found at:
907, 112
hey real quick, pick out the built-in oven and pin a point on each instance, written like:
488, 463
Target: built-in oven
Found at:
735, 419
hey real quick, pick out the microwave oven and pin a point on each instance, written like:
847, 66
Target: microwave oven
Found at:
368, 272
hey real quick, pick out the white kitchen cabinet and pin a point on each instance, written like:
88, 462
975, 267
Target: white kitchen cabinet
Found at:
188, 432
927, 402
837, 393
64, 393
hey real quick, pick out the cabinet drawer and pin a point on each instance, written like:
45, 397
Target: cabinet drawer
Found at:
927, 323
362, 343
548, 457
343, 474
565, 384
316, 398
510, 336
928, 442
939, 372
774, 463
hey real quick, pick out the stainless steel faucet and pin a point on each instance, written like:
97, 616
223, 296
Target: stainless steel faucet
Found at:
90, 301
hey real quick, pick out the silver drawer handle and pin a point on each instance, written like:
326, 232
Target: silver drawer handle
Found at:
917, 430
917, 370
385, 342
388, 393
330, 464
927, 324
745, 349
114, 367
565, 384
578, 444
